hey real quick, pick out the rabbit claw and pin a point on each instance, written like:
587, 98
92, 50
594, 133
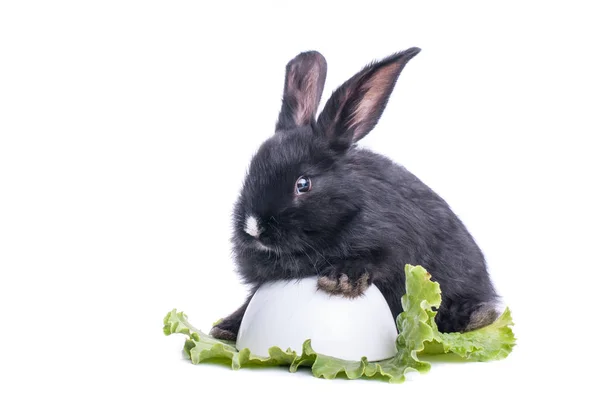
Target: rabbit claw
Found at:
341, 284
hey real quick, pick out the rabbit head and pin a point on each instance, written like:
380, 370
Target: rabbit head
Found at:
303, 185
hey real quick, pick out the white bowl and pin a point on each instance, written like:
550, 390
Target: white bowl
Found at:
287, 313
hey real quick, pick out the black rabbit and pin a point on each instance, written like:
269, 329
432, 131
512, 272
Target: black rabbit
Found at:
313, 203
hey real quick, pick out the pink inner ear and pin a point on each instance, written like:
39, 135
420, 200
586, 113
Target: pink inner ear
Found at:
376, 89
305, 90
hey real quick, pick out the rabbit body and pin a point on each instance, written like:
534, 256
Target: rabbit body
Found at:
315, 203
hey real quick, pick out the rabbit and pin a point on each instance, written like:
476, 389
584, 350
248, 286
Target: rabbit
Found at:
313, 203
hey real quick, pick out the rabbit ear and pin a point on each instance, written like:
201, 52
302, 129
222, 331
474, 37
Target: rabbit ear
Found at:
304, 82
356, 106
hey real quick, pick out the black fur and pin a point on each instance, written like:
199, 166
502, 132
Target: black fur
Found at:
364, 214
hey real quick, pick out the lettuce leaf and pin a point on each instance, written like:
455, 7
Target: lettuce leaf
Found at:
418, 334
492, 342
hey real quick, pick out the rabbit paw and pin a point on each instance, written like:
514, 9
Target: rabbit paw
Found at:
228, 328
344, 284
223, 334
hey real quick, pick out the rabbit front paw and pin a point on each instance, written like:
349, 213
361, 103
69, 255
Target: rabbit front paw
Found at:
343, 282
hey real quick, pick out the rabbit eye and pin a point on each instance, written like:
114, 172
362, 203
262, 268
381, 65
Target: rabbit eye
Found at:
303, 185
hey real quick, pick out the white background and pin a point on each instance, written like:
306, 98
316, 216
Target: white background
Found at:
126, 128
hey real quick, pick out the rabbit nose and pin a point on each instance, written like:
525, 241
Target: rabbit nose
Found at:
251, 227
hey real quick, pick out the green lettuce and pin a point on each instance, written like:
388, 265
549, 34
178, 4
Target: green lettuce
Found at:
418, 335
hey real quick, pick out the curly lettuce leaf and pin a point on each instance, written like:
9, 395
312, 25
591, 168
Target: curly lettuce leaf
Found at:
418, 334
492, 342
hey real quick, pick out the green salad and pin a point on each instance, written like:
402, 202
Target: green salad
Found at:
418, 336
